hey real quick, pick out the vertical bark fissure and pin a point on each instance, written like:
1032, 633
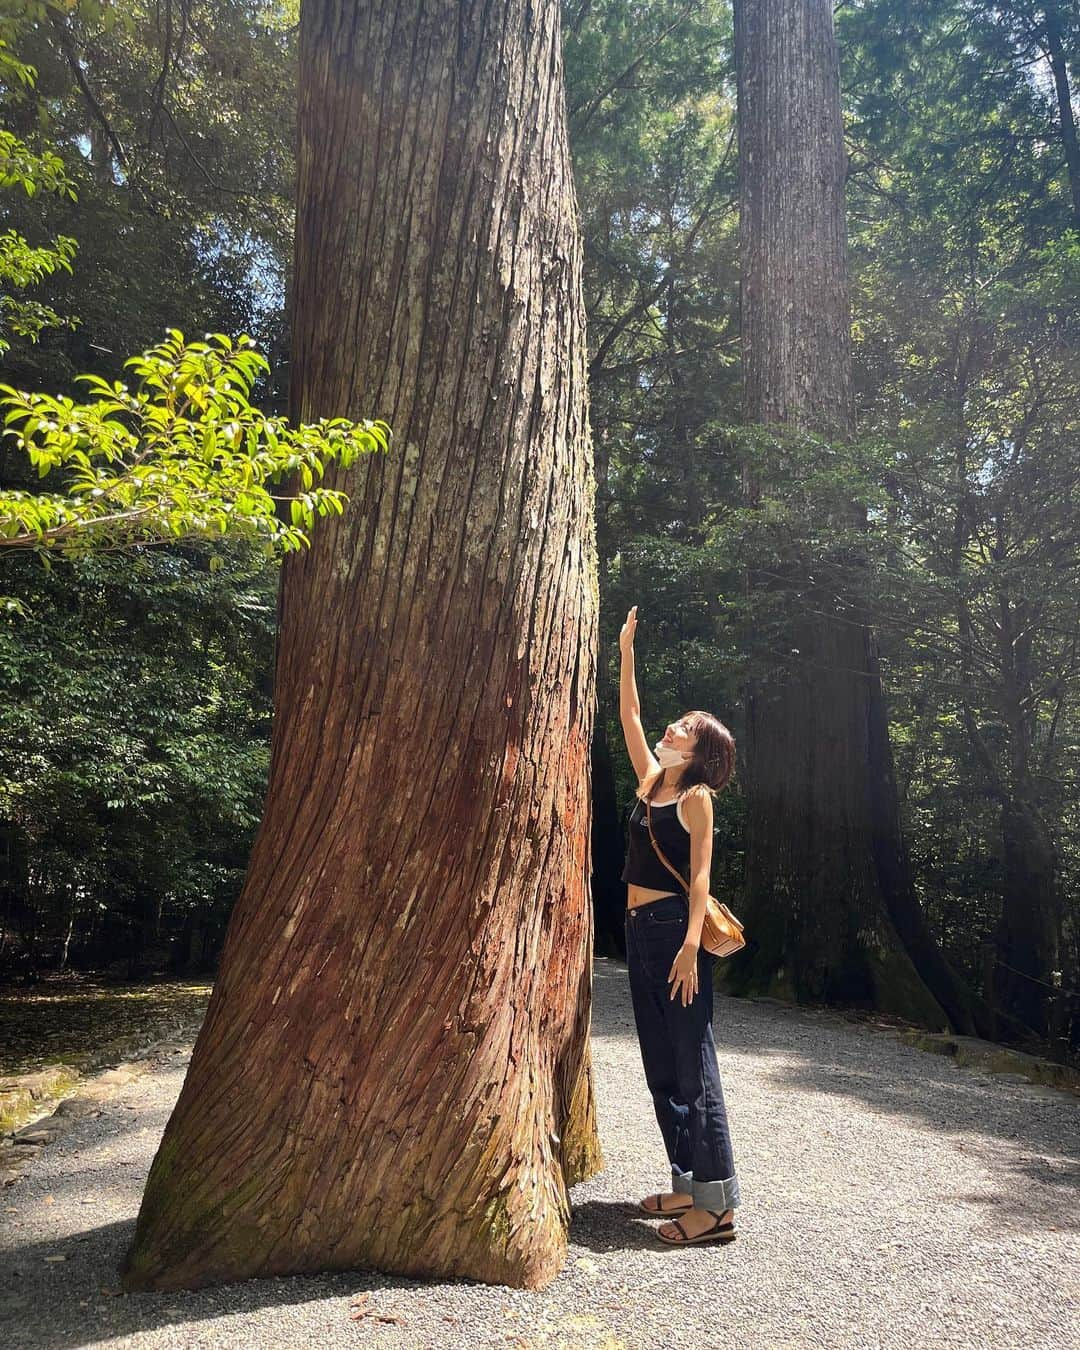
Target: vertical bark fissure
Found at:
398, 1034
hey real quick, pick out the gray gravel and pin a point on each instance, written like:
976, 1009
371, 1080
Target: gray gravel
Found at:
888, 1198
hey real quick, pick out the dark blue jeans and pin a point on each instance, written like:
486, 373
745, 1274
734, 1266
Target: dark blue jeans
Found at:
679, 1054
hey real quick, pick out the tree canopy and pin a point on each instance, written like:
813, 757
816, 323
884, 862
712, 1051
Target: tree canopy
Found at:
159, 137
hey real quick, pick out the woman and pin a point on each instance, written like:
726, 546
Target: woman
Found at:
670, 972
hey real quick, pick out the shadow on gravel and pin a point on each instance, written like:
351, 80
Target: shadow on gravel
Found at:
87, 1279
793, 1055
109, 1315
806, 1050
1040, 1133
612, 1226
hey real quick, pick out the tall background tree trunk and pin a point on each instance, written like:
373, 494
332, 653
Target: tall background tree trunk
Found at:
394, 1070
828, 890
1059, 69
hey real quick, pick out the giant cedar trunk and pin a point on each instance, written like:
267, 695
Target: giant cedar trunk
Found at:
394, 1069
826, 882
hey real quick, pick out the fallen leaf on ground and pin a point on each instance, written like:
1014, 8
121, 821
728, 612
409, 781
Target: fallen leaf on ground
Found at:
359, 1306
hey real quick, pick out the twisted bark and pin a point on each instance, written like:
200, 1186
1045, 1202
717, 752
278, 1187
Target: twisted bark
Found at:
394, 1068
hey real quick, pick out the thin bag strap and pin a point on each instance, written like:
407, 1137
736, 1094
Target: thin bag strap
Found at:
656, 846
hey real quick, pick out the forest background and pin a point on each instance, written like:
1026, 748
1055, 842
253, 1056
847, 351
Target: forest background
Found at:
137, 685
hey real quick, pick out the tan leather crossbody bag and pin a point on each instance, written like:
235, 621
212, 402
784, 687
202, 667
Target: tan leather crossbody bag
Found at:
721, 932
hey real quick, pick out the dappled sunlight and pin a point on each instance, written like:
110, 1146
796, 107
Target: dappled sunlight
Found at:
62, 1017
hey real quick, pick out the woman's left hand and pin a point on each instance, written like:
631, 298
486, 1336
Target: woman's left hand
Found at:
684, 973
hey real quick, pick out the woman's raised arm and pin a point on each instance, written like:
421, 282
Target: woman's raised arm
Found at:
641, 756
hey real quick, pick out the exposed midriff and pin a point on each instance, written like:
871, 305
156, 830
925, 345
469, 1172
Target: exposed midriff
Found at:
641, 895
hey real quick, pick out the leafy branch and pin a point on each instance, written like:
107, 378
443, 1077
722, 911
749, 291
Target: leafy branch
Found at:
183, 456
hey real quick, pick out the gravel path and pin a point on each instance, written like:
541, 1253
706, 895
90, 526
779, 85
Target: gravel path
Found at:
888, 1198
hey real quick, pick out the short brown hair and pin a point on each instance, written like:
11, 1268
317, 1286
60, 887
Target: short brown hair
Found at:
713, 763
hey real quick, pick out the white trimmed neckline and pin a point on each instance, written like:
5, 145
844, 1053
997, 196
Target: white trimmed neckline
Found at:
677, 803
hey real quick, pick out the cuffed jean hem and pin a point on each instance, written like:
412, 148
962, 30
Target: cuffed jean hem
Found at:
682, 1183
718, 1195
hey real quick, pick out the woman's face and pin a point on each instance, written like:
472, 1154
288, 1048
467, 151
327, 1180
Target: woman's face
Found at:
679, 736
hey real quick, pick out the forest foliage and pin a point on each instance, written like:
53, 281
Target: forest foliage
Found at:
134, 731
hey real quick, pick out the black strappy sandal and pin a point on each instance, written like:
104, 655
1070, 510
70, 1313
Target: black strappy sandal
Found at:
663, 1213
719, 1232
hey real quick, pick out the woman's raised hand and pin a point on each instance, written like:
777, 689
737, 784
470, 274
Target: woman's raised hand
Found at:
626, 634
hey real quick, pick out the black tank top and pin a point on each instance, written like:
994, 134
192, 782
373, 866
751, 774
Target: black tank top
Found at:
642, 866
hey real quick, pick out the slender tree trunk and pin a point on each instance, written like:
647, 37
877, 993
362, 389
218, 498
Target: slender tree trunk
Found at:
73, 909
1027, 932
1027, 937
1026, 940
1059, 67
826, 883
969, 1013
393, 1070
